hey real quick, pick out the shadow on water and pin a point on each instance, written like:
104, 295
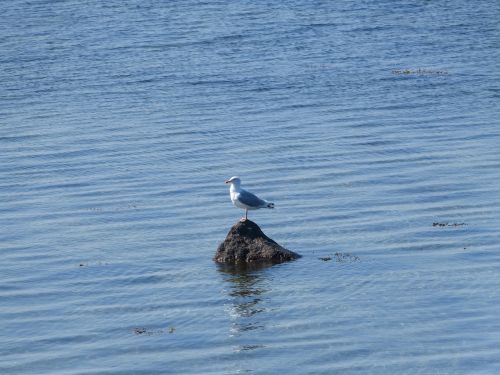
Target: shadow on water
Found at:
247, 287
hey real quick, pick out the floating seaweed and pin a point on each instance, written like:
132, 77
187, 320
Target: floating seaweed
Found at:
341, 258
448, 224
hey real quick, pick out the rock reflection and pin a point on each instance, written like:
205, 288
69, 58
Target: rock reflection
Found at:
247, 286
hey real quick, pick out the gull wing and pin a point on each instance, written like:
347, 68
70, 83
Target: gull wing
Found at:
250, 199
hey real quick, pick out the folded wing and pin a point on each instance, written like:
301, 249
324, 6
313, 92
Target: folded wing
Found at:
250, 199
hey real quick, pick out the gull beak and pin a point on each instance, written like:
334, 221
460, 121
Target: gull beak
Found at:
226, 182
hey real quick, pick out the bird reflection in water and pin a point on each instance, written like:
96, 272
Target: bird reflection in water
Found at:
247, 286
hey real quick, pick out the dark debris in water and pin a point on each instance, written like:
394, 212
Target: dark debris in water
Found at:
122, 208
152, 332
140, 331
346, 257
441, 225
249, 347
88, 264
420, 72
341, 258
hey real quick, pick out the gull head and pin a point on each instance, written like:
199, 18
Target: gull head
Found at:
234, 180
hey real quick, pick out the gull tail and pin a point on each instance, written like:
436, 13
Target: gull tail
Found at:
270, 205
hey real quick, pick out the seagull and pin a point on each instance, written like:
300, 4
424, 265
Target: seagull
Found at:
244, 199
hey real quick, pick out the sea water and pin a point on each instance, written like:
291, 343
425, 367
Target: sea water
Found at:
372, 125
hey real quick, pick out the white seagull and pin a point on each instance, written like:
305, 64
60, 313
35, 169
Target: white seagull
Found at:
244, 199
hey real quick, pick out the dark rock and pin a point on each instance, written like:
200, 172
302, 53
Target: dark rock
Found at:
246, 243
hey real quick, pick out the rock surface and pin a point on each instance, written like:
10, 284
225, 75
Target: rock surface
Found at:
246, 243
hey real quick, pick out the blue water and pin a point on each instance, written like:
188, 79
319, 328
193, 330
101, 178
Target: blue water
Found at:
372, 125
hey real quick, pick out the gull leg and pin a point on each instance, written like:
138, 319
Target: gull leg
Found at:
243, 219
